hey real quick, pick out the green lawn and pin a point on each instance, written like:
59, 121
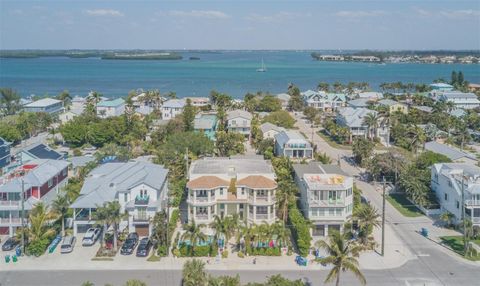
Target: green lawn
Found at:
404, 206
333, 143
456, 244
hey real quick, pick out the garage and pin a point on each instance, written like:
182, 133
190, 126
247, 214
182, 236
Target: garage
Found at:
142, 229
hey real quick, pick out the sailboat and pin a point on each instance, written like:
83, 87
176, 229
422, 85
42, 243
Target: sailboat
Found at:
263, 68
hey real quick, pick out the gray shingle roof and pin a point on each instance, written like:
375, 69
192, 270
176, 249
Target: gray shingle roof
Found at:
388, 102
105, 182
354, 116
265, 127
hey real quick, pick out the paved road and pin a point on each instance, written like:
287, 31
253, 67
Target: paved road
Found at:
433, 263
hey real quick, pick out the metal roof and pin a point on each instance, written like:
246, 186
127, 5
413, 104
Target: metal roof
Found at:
44, 102
449, 151
239, 113
111, 103
105, 182
174, 103
291, 136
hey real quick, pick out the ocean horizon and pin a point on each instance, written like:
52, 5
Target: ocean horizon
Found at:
229, 71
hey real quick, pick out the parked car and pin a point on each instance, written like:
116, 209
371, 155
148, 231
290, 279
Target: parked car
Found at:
144, 247
130, 244
67, 244
91, 236
10, 244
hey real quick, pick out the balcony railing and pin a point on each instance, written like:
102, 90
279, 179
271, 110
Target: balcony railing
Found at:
142, 200
327, 202
13, 220
472, 202
202, 199
476, 219
201, 217
261, 216
9, 203
141, 217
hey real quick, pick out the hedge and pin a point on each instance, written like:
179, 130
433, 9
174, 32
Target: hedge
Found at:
300, 230
265, 251
200, 251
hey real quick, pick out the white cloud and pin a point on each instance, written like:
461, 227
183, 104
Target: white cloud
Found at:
460, 13
278, 17
207, 14
360, 13
104, 12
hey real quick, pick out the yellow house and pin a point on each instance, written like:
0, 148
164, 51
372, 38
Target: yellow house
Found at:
394, 106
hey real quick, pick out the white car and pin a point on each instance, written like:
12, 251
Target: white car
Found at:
91, 236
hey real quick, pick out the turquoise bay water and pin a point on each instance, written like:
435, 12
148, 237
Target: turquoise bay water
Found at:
230, 72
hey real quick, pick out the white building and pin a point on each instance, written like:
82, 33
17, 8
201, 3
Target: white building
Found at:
225, 186
172, 108
465, 100
447, 180
370, 95
293, 145
326, 196
353, 119
239, 121
141, 188
199, 101
269, 130
48, 105
324, 101
78, 104
109, 108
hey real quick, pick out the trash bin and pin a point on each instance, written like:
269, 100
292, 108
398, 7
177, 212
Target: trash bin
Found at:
14, 258
7, 258
18, 251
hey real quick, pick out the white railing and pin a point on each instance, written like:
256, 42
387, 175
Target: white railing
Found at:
13, 220
261, 216
472, 202
9, 203
201, 217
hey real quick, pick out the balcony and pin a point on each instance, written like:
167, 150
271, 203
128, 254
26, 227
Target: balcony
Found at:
142, 200
472, 202
201, 217
261, 216
13, 220
201, 199
141, 218
13, 204
326, 203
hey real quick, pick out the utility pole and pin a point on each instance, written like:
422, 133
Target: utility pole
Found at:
463, 217
383, 218
23, 216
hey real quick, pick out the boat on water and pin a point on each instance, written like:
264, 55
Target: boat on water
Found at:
263, 68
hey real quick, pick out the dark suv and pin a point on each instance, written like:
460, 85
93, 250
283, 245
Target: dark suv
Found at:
10, 244
130, 244
144, 246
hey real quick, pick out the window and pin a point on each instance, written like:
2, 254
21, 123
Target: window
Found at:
64, 172
241, 207
221, 191
125, 197
50, 183
316, 195
222, 206
449, 183
331, 212
446, 196
476, 212
458, 204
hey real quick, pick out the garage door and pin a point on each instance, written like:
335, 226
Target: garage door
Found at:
142, 229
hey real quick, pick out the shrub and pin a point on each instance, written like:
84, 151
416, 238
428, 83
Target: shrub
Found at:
38, 247
162, 250
225, 254
300, 230
200, 251
176, 252
240, 254
77, 152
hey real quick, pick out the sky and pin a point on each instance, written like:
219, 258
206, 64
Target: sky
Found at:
241, 24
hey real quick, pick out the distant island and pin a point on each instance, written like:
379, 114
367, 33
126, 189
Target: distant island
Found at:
194, 58
103, 54
427, 57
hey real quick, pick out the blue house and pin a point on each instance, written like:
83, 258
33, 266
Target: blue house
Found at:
4, 152
206, 123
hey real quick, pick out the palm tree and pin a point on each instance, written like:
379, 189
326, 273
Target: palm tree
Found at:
193, 233
447, 217
283, 233
10, 100
160, 225
371, 121
101, 216
193, 273
417, 137
342, 255
65, 97
368, 218
114, 217
60, 206
40, 219
285, 196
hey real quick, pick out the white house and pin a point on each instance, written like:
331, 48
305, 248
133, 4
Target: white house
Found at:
239, 121
293, 145
225, 186
48, 105
199, 101
269, 130
324, 101
353, 119
109, 108
140, 187
78, 104
326, 196
370, 95
449, 181
465, 100
172, 108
